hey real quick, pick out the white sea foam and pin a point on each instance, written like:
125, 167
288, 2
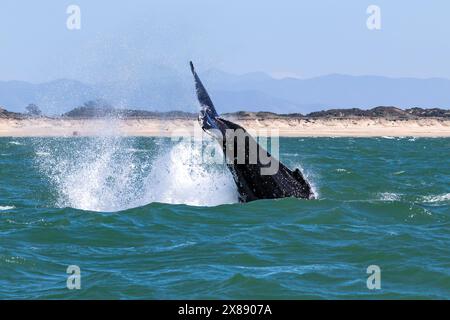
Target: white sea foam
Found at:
389, 196
4, 208
437, 198
15, 143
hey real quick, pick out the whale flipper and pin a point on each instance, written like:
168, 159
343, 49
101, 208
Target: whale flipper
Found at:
208, 112
251, 182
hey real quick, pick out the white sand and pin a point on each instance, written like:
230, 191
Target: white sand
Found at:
430, 127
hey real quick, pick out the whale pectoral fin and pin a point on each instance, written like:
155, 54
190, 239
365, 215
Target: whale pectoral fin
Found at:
203, 96
206, 122
208, 115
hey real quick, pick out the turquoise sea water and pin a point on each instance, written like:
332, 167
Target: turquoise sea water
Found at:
142, 220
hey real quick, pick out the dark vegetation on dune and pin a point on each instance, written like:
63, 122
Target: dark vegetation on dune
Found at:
101, 109
91, 112
382, 112
5, 114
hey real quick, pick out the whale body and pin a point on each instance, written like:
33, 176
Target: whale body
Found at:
250, 164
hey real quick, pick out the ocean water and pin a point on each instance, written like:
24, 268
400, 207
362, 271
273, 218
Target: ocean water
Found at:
142, 218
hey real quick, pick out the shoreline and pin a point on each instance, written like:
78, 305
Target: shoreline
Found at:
286, 127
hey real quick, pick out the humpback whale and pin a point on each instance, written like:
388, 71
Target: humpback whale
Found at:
249, 163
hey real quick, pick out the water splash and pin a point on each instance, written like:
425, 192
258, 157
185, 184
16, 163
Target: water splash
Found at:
179, 176
311, 177
106, 174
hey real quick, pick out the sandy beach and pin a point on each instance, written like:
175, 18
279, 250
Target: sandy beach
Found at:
295, 127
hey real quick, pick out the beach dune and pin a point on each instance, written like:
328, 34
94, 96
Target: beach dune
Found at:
288, 127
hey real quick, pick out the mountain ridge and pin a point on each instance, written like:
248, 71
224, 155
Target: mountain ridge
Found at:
256, 91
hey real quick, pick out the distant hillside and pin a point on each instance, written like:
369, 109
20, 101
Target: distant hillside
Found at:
165, 89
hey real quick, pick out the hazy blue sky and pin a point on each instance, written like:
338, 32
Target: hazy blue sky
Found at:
298, 38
